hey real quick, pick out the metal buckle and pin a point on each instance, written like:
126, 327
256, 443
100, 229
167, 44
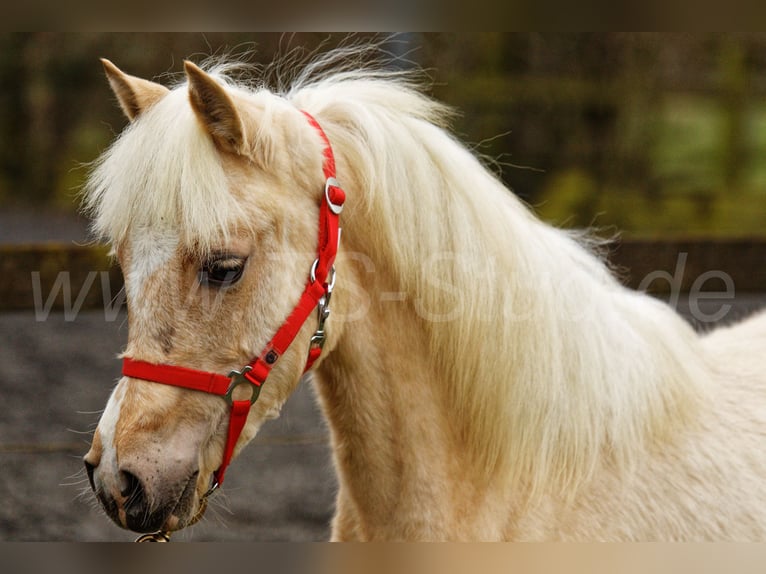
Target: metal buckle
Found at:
336, 208
238, 378
161, 536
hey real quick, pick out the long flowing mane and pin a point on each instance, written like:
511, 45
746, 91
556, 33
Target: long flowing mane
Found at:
549, 363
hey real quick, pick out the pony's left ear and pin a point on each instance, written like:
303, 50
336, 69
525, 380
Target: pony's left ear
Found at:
215, 109
133, 94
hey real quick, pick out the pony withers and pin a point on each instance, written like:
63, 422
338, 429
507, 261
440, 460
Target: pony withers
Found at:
512, 390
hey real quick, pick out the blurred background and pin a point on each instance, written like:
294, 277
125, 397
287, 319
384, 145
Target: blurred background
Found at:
651, 133
661, 137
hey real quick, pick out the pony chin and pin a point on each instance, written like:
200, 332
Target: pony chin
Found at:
190, 510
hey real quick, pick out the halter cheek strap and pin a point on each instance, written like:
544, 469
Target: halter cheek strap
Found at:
316, 295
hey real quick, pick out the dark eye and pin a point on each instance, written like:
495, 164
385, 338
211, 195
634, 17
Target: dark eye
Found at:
222, 271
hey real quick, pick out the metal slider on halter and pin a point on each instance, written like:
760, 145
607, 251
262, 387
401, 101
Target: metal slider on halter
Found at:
323, 308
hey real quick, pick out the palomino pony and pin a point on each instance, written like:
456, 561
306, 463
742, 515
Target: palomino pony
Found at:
483, 374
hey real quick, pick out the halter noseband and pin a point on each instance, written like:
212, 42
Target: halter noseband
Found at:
254, 374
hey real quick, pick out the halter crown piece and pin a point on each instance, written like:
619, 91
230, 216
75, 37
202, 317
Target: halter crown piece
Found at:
315, 295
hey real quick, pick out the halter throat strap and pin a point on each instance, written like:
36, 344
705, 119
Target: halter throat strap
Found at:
316, 295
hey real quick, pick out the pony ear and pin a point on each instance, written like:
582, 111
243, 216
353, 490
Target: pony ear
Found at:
134, 94
215, 108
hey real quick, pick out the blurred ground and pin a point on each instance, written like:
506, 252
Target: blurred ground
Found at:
55, 376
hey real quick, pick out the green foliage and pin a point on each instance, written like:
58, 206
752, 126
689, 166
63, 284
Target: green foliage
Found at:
685, 190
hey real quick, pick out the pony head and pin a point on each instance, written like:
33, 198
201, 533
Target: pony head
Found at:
210, 200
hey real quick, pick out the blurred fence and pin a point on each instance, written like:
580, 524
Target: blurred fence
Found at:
55, 277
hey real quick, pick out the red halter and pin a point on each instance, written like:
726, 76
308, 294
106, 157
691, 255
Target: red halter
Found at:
316, 294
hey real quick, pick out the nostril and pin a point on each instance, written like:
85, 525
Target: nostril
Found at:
138, 514
89, 468
130, 486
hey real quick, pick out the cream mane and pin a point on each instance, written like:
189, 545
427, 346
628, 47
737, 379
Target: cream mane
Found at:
550, 363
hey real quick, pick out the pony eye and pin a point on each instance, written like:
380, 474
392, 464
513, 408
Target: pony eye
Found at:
222, 271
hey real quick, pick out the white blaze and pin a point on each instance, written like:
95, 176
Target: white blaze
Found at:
150, 251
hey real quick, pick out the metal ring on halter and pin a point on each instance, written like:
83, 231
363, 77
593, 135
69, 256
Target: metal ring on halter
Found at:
336, 208
313, 274
237, 379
